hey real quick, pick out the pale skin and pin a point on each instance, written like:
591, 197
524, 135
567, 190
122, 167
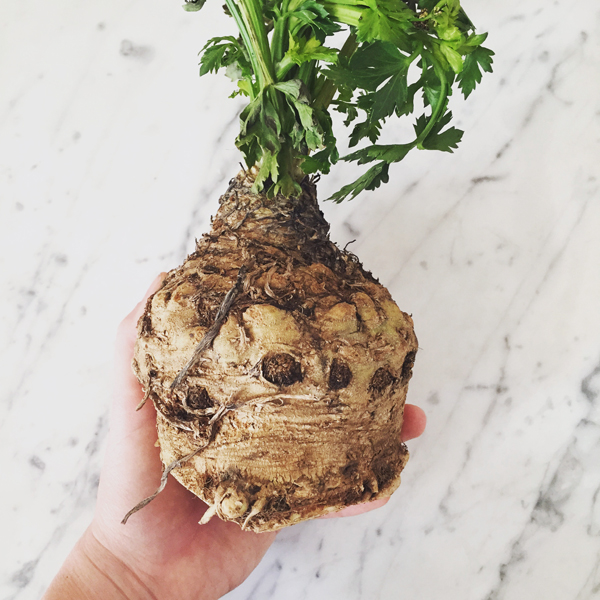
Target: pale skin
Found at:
161, 553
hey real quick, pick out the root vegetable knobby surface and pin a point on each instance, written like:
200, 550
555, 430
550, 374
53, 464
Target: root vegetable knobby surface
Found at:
295, 408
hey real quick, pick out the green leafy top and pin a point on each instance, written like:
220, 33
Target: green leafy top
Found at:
395, 51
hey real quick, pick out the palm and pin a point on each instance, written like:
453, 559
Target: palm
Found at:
177, 558
162, 543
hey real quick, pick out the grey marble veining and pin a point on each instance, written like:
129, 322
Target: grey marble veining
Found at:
112, 156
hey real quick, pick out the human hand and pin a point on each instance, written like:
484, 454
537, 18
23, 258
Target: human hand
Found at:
162, 552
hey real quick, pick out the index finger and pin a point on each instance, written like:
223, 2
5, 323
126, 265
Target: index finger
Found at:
414, 423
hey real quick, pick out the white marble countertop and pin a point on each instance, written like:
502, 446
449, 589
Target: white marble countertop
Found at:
112, 156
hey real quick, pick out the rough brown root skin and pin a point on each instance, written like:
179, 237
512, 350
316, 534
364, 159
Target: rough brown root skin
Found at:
312, 362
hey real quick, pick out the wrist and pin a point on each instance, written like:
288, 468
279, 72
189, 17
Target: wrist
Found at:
91, 571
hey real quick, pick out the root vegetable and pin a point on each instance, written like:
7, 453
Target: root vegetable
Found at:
278, 366
311, 366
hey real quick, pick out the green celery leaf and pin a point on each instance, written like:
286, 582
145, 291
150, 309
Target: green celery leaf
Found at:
454, 59
348, 109
372, 64
432, 87
389, 153
193, 5
289, 88
268, 169
390, 96
322, 161
409, 105
436, 139
366, 129
260, 128
476, 39
245, 87
318, 162
312, 15
371, 180
382, 70
285, 185
464, 22
308, 127
387, 20
480, 59
446, 141
302, 50
445, 20
250, 115
221, 52
271, 120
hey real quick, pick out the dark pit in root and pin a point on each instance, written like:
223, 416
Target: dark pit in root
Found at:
281, 369
198, 399
408, 365
340, 375
382, 380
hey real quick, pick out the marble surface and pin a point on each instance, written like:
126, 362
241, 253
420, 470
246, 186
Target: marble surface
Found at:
112, 156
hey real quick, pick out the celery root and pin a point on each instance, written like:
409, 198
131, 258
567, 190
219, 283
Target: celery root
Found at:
307, 376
